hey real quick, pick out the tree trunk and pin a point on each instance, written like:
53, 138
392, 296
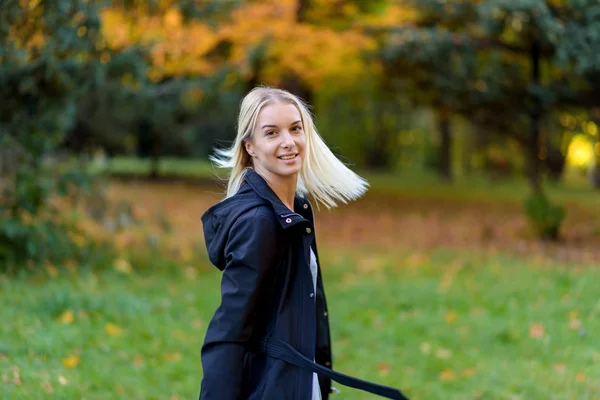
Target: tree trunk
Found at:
445, 149
532, 143
155, 156
291, 82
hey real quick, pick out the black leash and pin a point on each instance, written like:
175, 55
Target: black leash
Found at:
282, 350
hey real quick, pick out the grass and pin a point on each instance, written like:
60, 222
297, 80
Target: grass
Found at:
419, 184
443, 325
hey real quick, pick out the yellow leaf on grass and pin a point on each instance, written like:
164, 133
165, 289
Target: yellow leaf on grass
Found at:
138, 360
536, 331
447, 375
52, 271
450, 316
172, 356
425, 348
580, 377
197, 323
122, 266
383, 368
112, 329
70, 362
62, 380
67, 317
572, 315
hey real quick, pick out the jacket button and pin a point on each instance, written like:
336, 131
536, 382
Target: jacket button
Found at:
305, 206
327, 363
288, 220
312, 295
308, 230
325, 313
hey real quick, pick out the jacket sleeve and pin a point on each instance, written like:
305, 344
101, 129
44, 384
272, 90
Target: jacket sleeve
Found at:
251, 257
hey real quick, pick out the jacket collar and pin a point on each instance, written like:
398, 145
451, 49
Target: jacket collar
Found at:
287, 218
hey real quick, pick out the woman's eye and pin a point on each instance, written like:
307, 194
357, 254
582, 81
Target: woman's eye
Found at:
297, 128
270, 133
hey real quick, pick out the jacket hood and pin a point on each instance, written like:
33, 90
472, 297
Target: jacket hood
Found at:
218, 220
254, 192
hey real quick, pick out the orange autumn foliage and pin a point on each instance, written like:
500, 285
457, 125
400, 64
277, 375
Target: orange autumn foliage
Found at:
308, 50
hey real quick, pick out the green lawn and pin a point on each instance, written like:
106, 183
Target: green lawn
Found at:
445, 325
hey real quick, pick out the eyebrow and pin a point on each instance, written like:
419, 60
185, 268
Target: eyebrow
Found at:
275, 126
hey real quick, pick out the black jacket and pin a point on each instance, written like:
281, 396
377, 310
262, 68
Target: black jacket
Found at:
263, 249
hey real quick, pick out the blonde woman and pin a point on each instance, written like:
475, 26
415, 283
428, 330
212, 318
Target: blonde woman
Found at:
269, 338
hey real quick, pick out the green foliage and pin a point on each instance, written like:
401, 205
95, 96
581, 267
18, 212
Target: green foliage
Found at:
52, 58
545, 218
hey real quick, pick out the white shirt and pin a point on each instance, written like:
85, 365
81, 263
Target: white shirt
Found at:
316, 392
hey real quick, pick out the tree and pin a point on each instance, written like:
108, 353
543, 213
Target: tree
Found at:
506, 64
52, 53
516, 62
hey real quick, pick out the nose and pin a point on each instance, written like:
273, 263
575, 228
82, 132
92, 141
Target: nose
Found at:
287, 140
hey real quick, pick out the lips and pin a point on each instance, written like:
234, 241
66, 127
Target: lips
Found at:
288, 157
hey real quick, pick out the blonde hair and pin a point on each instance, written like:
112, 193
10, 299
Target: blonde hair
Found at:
322, 175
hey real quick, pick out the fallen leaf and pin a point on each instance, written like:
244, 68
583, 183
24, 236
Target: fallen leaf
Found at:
425, 348
369, 264
468, 372
536, 331
120, 389
172, 356
16, 376
67, 317
443, 353
450, 316
574, 324
138, 360
197, 323
52, 271
122, 266
580, 377
447, 375
62, 380
191, 273
71, 362
573, 315
112, 329
47, 386
383, 368
560, 367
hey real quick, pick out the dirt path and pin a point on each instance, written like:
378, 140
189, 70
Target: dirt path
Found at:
386, 221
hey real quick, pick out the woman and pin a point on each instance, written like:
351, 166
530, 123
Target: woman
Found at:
270, 335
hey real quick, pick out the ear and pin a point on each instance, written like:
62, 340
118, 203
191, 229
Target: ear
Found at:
249, 147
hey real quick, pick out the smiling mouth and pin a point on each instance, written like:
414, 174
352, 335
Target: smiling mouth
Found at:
288, 157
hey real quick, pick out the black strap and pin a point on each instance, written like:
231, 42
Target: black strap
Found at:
282, 350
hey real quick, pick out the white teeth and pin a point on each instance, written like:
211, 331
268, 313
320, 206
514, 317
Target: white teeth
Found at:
287, 157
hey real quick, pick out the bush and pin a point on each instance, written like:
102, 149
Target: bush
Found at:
545, 218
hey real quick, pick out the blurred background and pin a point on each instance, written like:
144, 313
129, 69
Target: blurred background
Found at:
465, 272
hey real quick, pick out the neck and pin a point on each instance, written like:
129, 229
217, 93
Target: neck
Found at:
284, 187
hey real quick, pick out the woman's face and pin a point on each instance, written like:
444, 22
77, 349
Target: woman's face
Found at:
278, 143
